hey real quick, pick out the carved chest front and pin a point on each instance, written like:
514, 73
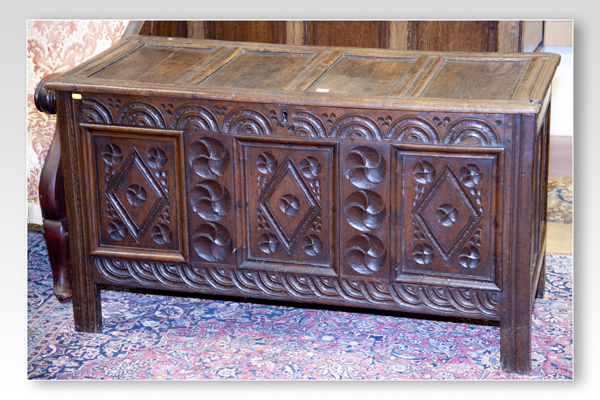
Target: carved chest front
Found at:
406, 181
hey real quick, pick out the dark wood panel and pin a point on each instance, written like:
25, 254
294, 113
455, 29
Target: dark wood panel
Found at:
347, 33
164, 28
246, 31
472, 36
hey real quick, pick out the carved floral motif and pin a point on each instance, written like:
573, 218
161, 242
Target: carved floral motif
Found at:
365, 253
208, 158
210, 200
136, 195
266, 163
112, 154
446, 214
365, 210
423, 172
289, 204
212, 242
116, 229
310, 167
268, 243
423, 253
367, 167
157, 158
312, 245
161, 233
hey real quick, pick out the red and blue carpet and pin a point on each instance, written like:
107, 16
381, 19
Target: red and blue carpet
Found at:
158, 337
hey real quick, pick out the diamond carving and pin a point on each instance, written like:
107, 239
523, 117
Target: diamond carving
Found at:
123, 193
446, 214
287, 182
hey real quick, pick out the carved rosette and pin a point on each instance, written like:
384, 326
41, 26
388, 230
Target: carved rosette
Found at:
367, 167
423, 173
268, 243
212, 242
365, 210
312, 245
210, 200
208, 157
266, 163
365, 253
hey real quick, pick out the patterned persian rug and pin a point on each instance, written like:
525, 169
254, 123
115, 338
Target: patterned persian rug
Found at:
157, 337
560, 199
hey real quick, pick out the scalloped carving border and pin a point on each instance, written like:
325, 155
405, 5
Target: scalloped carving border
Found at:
245, 120
411, 297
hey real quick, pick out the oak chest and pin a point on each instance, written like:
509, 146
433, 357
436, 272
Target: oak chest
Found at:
405, 181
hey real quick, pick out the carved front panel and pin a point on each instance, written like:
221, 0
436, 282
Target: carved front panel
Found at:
447, 204
289, 210
136, 191
364, 221
210, 197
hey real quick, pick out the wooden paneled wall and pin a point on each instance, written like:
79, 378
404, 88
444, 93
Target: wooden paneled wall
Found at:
471, 36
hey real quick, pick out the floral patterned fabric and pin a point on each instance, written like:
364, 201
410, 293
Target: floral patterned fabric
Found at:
157, 337
55, 47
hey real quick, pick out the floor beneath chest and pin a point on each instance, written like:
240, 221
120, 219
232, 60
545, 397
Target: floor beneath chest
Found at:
560, 203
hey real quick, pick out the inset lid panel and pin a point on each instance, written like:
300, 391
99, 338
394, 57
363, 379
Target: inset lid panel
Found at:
368, 76
153, 64
259, 70
476, 79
